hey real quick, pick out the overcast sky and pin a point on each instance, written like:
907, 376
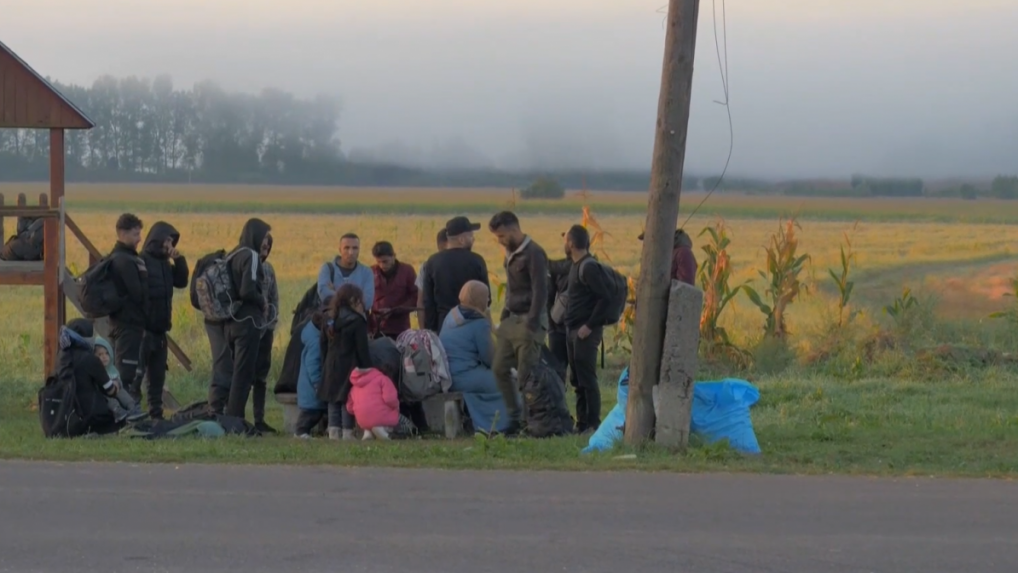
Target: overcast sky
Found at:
818, 87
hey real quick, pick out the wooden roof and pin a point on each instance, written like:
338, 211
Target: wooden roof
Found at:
28, 101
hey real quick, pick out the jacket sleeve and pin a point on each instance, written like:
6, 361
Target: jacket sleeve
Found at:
484, 276
126, 267
250, 290
181, 272
485, 346
538, 268
324, 279
556, 269
96, 372
595, 280
429, 303
389, 395
411, 290
361, 336
313, 363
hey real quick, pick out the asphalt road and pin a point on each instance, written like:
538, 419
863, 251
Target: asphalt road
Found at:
110, 517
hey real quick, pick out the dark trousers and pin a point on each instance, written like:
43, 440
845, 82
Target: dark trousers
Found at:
559, 348
340, 417
152, 371
307, 420
127, 342
583, 378
261, 383
222, 366
243, 339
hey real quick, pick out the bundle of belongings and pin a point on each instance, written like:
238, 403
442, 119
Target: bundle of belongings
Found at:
27, 244
720, 412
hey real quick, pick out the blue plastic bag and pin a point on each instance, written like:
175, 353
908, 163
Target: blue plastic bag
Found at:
720, 412
610, 430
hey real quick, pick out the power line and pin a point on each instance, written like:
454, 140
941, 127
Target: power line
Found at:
723, 69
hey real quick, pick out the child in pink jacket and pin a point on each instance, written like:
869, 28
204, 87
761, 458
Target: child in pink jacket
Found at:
374, 403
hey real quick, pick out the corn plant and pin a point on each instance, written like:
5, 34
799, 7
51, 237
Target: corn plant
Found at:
597, 234
902, 308
714, 275
842, 281
783, 286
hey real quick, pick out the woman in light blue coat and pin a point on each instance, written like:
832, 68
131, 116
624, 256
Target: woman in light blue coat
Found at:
466, 338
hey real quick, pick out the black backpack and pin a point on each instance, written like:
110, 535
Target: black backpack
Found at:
99, 295
63, 413
619, 285
202, 412
544, 400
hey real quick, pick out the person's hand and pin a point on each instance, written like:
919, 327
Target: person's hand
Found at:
584, 332
174, 253
383, 311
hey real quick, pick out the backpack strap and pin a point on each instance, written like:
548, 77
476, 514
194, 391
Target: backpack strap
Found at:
579, 271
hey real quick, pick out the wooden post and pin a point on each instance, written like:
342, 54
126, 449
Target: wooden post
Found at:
3, 236
53, 315
662, 216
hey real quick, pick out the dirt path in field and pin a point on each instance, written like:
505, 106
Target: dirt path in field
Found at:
969, 288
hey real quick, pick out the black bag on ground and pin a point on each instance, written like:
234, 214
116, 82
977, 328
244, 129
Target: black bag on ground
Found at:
619, 285
202, 411
544, 400
69, 411
99, 294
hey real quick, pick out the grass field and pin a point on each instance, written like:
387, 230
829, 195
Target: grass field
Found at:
899, 409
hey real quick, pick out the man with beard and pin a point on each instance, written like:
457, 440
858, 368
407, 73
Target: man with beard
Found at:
446, 272
127, 325
167, 270
524, 323
395, 291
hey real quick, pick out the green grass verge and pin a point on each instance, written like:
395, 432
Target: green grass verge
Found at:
963, 426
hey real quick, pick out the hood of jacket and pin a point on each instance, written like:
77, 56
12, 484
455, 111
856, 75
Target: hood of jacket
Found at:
347, 316
682, 240
111, 368
253, 234
157, 235
78, 333
361, 378
311, 333
462, 315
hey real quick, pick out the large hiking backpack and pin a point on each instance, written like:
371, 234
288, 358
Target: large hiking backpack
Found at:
99, 295
214, 287
64, 412
544, 401
156, 429
425, 369
202, 411
27, 245
619, 286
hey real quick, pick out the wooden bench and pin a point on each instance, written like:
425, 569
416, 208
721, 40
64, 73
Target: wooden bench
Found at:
290, 412
444, 413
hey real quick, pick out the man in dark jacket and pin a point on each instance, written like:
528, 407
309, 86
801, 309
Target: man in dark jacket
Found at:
524, 323
167, 270
684, 263
261, 381
441, 242
395, 291
585, 317
127, 325
244, 331
446, 272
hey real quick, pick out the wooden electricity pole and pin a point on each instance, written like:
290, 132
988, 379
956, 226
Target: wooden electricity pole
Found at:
662, 216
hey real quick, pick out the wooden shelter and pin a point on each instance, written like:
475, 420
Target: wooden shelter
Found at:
28, 101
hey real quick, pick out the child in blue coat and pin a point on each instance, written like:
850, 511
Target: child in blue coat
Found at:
312, 409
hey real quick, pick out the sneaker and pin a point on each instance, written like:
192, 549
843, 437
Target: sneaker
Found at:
136, 414
265, 428
302, 436
347, 435
334, 433
368, 435
379, 432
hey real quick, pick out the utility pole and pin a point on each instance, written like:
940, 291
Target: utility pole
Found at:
662, 216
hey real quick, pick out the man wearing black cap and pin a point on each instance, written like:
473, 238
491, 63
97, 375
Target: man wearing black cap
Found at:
683, 259
446, 272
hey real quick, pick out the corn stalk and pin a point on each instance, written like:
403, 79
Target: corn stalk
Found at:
783, 286
714, 275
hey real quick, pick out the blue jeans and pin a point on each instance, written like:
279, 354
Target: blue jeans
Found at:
339, 417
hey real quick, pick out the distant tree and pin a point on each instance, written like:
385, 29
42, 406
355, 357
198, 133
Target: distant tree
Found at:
1004, 187
544, 188
968, 191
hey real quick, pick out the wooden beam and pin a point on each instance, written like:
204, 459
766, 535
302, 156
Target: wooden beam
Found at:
34, 212
85, 242
51, 252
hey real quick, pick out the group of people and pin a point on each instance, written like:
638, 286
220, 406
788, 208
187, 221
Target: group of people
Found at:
555, 302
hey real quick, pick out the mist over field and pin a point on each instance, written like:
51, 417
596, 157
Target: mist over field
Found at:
818, 88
